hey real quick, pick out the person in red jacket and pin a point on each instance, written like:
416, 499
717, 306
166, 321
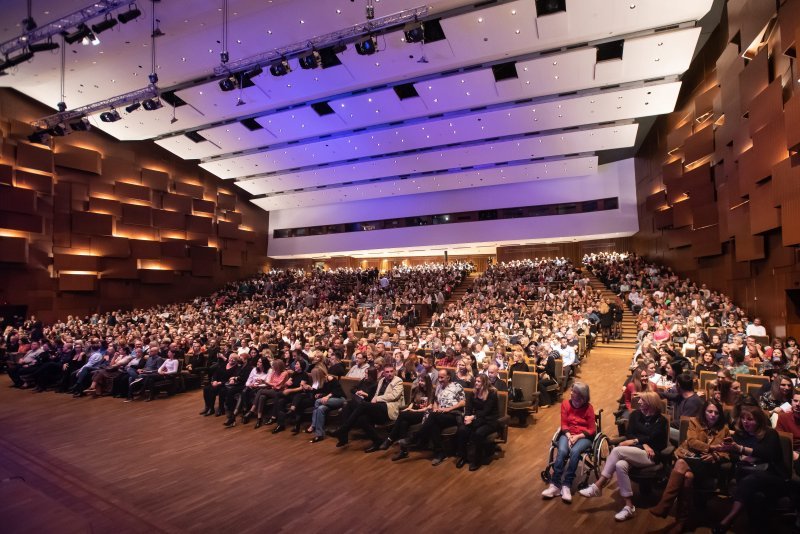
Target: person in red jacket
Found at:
578, 428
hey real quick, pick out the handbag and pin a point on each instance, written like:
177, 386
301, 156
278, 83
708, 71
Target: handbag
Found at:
516, 395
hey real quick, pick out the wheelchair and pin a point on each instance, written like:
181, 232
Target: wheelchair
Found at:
592, 459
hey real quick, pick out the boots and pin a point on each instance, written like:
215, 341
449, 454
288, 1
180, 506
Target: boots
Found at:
674, 486
684, 508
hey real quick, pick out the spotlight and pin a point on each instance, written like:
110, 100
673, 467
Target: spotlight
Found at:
106, 24
153, 77
152, 104
228, 84
81, 32
59, 130
43, 47
62, 107
224, 57
367, 47
29, 24
16, 60
415, 33
38, 137
82, 125
132, 14
312, 60
133, 107
90, 39
246, 78
281, 68
110, 116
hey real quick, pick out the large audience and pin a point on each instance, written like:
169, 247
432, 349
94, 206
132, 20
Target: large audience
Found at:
277, 348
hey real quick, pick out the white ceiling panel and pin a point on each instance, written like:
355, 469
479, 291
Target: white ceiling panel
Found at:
573, 142
230, 136
579, 166
299, 123
376, 107
185, 148
602, 107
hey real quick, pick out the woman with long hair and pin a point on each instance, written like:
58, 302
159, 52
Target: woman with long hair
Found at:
647, 434
480, 420
696, 457
421, 397
759, 468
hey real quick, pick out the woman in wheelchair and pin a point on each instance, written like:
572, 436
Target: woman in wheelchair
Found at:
647, 435
696, 457
760, 467
578, 427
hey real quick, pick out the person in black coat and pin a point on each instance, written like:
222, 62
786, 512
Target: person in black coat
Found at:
217, 386
481, 420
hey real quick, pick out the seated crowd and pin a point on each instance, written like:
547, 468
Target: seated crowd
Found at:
691, 336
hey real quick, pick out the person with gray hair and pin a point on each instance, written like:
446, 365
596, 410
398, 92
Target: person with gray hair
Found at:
578, 428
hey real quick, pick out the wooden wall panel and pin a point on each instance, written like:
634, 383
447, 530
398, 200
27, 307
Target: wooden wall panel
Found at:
231, 258
699, 145
77, 282
169, 219
766, 107
107, 206
136, 214
41, 183
226, 201
13, 249
763, 216
36, 157
156, 180
662, 219
753, 79
681, 214
189, 189
204, 206
705, 242
119, 169
72, 262
6, 174
132, 191
82, 159
656, 201
92, 223
21, 222
18, 200
200, 225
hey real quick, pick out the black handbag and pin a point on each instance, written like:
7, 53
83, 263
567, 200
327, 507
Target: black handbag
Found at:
516, 395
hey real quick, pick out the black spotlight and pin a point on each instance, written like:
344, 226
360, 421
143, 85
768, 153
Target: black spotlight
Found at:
133, 107
43, 47
16, 60
59, 130
312, 60
415, 33
72, 38
367, 47
153, 77
82, 125
246, 78
38, 137
110, 116
29, 24
228, 84
132, 14
281, 68
106, 24
152, 104
62, 107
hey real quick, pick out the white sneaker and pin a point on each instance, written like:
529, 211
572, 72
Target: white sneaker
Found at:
566, 494
551, 491
625, 514
591, 491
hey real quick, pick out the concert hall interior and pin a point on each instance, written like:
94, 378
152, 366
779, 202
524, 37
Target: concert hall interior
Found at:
387, 249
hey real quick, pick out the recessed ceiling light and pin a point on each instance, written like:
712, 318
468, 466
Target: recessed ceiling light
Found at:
513, 11
517, 32
480, 19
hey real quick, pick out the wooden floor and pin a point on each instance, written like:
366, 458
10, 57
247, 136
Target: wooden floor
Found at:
79, 465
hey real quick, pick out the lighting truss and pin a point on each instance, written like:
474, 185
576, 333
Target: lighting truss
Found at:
344, 36
51, 29
119, 101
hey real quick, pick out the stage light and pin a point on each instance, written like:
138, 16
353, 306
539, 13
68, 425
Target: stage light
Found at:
246, 78
312, 60
106, 24
29, 24
16, 60
281, 68
43, 47
62, 107
110, 116
79, 34
59, 130
367, 47
38, 137
228, 84
90, 39
133, 107
152, 104
132, 14
82, 125
415, 33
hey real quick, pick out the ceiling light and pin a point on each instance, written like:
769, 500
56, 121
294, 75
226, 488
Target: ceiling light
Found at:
228, 84
312, 60
81, 125
59, 130
80, 33
16, 60
414, 32
28, 23
62, 107
132, 14
38, 137
280, 68
90, 39
152, 104
43, 47
106, 24
133, 107
110, 116
367, 47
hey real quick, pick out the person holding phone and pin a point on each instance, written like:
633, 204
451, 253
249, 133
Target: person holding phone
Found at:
696, 457
759, 468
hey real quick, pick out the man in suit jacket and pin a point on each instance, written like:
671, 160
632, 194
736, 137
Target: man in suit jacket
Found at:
384, 407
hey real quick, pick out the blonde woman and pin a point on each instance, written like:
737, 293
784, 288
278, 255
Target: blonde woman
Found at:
646, 435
